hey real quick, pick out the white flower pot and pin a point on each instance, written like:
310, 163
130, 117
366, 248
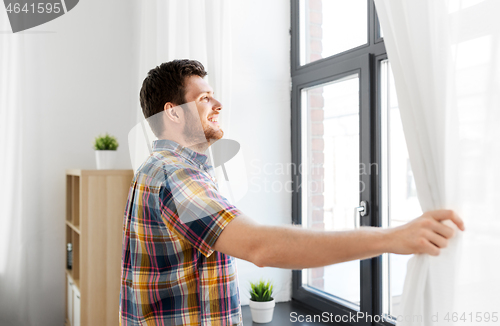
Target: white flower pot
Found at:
262, 312
105, 160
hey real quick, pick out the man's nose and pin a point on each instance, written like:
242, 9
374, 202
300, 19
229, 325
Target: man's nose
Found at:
217, 106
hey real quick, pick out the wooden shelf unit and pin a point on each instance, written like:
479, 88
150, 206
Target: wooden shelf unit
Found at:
95, 205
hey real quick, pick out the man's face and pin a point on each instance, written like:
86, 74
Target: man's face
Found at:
200, 92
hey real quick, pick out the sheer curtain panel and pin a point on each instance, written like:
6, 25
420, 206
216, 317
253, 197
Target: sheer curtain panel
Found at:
15, 301
445, 56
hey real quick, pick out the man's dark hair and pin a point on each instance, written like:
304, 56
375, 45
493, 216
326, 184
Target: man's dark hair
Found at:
166, 83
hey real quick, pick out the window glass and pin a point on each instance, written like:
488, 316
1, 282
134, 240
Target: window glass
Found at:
329, 27
330, 178
399, 195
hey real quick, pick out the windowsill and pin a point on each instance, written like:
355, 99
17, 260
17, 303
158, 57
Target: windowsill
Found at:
282, 316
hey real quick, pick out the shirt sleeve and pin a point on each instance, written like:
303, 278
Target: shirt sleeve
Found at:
193, 208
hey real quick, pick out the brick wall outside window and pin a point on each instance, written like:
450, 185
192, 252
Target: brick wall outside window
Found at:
316, 117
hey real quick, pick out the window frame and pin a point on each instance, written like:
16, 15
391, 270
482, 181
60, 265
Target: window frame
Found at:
366, 60
360, 66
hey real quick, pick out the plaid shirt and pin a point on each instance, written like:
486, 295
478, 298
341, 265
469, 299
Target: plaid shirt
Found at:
174, 214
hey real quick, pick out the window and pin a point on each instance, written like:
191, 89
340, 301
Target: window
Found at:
398, 191
348, 140
330, 156
322, 26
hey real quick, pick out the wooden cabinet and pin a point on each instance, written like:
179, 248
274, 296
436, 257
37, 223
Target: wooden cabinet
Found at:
95, 205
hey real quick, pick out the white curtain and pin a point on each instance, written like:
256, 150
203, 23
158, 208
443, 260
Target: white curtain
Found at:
445, 56
14, 266
179, 29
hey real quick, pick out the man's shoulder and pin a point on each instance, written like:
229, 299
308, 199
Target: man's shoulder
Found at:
161, 165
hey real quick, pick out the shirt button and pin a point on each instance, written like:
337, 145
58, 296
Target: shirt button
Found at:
201, 166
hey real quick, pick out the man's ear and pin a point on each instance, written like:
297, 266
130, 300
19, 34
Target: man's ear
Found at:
172, 112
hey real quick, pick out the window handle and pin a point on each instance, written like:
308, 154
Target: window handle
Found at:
361, 210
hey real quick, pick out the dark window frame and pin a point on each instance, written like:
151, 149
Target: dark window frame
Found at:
366, 60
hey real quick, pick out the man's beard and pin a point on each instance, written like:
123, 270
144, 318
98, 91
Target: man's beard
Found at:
193, 131
212, 135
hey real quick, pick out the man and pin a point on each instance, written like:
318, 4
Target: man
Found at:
180, 234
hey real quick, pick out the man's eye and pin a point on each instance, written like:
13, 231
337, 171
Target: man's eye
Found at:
204, 98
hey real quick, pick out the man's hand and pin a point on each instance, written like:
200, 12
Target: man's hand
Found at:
426, 234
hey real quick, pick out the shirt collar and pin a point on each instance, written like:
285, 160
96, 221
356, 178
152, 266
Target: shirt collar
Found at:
170, 145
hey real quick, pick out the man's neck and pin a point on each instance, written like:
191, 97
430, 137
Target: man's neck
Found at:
199, 147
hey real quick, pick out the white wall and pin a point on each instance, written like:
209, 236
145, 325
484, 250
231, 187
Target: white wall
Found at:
81, 80
260, 120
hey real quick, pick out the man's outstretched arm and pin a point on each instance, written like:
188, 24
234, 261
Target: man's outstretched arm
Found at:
296, 248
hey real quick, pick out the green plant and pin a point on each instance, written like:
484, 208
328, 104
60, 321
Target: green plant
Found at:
261, 291
105, 143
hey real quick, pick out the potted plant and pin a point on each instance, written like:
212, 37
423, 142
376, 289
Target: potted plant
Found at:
105, 151
261, 301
